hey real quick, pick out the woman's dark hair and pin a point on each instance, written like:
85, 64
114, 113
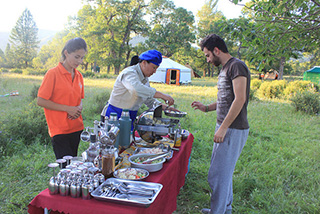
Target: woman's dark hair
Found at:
73, 45
134, 60
213, 40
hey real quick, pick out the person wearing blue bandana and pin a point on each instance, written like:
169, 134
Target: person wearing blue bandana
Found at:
132, 88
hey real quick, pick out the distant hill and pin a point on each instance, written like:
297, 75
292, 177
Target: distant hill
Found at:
43, 35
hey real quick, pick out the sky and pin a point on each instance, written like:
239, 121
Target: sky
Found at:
53, 14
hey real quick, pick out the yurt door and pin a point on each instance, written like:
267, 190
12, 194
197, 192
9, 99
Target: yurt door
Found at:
173, 76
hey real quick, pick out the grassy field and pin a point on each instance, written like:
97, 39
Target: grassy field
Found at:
278, 170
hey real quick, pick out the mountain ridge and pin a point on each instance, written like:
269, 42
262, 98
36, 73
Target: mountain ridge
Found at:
43, 35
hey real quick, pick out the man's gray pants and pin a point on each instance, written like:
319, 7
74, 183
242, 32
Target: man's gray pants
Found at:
223, 161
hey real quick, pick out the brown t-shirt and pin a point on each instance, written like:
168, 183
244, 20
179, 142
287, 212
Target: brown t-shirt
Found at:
231, 70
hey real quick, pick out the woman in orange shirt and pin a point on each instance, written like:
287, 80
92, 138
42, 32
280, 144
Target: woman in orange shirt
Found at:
61, 94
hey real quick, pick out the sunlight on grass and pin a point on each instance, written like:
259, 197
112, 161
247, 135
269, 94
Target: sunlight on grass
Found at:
277, 171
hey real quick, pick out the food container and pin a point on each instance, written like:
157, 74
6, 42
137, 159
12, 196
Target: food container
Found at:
158, 150
150, 167
131, 171
171, 113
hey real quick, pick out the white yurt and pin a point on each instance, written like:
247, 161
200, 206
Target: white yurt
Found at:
171, 72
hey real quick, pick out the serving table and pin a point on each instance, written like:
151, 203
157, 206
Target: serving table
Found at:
171, 176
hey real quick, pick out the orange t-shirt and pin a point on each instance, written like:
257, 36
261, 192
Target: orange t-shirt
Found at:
58, 87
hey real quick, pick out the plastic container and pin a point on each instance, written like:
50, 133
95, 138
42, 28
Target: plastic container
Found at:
125, 129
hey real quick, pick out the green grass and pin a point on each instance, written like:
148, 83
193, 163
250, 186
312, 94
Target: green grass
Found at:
277, 172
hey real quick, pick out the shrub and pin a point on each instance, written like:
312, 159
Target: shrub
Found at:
307, 102
37, 72
34, 92
88, 74
26, 126
252, 95
255, 84
272, 89
4, 70
299, 86
16, 71
105, 76
95, 104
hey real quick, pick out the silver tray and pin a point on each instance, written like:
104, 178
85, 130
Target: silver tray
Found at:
165, 149
141, 193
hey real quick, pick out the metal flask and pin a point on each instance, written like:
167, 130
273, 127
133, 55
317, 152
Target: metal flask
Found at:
86, 190
64, 188
75, 190
53, 187
78, 190
96, 183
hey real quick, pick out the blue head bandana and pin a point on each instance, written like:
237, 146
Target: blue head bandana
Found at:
153, 56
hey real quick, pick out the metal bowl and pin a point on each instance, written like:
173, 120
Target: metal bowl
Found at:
150, 167
145, 150
175, 113
143, 171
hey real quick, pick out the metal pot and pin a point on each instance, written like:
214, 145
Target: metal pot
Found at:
150, 167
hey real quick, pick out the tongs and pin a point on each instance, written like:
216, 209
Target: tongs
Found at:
156, 157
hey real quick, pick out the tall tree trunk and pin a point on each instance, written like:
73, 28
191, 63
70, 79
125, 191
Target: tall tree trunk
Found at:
95, 66
209, 69
282, 61
117, 70
127, 58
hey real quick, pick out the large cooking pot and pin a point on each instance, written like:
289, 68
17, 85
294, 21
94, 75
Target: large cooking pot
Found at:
151, 126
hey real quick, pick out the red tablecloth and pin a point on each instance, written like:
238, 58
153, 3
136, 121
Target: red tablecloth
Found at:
171, 176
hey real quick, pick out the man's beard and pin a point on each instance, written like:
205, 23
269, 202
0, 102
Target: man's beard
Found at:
216, 61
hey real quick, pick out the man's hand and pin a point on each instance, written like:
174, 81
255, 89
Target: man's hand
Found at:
198, 105
219, 135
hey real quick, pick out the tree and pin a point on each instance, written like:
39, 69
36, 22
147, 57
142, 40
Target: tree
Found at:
24, 38
172, 28
281, 29
9, 57
2, 58
50, 54
211, 21
107, 27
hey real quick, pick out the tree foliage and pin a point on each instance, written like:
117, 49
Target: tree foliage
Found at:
50, 54
280, 30
172, 28
107, 26
24, 38
269, 34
